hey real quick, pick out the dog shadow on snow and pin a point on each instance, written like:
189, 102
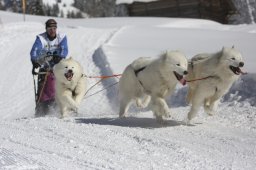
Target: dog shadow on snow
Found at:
130, 122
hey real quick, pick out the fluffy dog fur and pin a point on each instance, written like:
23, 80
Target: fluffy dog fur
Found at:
70, 85
220, 70
147, 80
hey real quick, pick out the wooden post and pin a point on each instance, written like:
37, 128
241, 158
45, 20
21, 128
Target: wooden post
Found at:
24, 9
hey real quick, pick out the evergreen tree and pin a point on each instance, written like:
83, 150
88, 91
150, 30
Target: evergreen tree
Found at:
62, 14
100, 8
15, 6
79, 15
35, 7
47, 9
55, 10
12, 5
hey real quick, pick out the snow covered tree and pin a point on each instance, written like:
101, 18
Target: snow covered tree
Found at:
51, 10
35, 7
99, 8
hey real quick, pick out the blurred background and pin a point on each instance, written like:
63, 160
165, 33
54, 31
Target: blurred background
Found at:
222, 11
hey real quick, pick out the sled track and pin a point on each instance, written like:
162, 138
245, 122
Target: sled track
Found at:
12, 160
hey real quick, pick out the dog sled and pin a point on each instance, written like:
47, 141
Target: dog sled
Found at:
44, 83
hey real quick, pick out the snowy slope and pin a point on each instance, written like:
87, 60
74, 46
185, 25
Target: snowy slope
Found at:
97, 139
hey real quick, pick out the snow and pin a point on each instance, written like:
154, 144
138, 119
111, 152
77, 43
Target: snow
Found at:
97, 138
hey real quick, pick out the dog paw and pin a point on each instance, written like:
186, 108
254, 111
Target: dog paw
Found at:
190, 122
167, 115
187, 122
64, 115
74, 109
160, 120
139, 103
122, 116
211, 113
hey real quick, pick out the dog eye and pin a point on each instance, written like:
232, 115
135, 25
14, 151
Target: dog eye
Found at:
177, 64
66, 67
233, 58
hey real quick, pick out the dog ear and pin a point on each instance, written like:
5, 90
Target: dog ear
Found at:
69, 58
223, 49
164, 55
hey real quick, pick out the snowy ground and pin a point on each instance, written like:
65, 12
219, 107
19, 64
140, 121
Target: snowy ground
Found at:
97, 139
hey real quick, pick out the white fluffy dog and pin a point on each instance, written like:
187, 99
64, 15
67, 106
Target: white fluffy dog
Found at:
218, 71
146, 79
70, 85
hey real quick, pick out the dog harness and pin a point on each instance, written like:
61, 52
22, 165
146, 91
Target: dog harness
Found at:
139, 70
136, 73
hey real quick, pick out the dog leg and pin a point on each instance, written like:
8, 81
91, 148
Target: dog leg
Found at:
80, 90
159, 108
124, 106
139, 102
159, 119
211, 103
197, 101
143, 102
189, 95
193, 111
64, 111
67, 99
78, 99
211, 107
146, 101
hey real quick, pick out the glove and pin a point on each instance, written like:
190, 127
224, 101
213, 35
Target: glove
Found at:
33, 71
35, 65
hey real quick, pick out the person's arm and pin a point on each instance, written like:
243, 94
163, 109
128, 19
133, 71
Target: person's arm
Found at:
64, 48
36, 48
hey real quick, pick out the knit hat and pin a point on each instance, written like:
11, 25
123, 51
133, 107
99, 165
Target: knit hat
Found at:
50, 23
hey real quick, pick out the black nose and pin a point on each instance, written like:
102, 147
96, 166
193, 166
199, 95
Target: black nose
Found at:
70, 71
241, 64
185, 72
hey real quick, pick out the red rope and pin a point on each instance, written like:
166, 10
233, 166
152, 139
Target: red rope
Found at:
199, 79
101, 78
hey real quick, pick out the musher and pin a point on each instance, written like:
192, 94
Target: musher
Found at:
48, 49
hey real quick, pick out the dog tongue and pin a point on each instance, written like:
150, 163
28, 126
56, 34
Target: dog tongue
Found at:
183, 81
243, 73
69, 78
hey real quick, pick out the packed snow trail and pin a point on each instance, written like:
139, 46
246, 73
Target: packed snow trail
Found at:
106, 142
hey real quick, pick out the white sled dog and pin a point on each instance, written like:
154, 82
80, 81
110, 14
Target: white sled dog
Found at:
218, 72
70, 85
146, 80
